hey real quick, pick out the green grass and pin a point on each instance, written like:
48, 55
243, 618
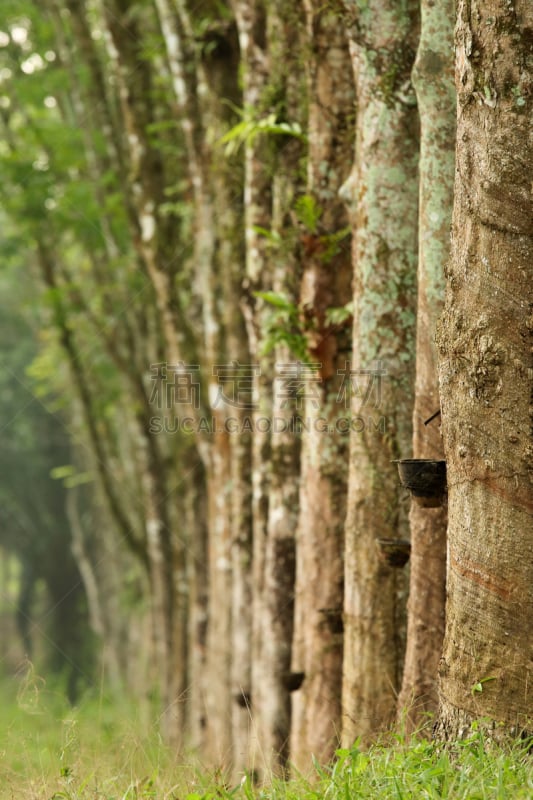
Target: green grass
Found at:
104, 751
474, 769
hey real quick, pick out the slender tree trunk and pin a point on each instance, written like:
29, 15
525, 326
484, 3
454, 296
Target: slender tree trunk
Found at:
194, 491
85, 566
433, 80
163, 600
230, 266
218, 700
274, 496
277, 601
275, 604
485, 343
98, 91
326, 284
263, 30
383, 193
275, 620
117, 506
241, 616
202, 93
155, 240
252, 24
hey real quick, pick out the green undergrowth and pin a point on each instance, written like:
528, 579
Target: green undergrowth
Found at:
108, 751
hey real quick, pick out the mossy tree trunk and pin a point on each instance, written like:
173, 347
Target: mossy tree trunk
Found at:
254, 20
383, 197
485, 343
275, 611
270, 185
326, 285
433, 80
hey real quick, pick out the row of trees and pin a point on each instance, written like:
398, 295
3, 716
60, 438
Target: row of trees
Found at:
38, 567
239, 214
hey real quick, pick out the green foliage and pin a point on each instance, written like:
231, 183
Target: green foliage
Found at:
71, 476
478, 685
286, 324
340, 314
250, 127
273, 237
308, 212
283, 326
333, 243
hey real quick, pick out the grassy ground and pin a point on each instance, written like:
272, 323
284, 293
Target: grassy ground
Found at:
104, 752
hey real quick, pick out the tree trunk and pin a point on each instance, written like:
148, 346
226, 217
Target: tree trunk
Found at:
275, 605
154, 238
382, 192
252, 21
162, 594
433, 80
326, 284
485, 343
196, 525
218, 700
269, 89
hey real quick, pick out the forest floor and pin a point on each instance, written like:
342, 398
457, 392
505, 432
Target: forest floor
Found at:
106, 751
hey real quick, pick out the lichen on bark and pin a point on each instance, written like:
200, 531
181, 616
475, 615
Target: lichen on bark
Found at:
484, 341
383, 198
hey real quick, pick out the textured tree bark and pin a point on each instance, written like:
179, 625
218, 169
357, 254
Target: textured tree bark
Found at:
169, 639
209, 691
383, 193
196, 524
229, 269
155, 239
326, 284
241, 609
433, 81
251, 18
485, 346
153, 235
275, 604
263, 32
218, 701
275, 618
229, 478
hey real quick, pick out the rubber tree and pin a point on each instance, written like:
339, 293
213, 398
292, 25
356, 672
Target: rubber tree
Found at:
325, 291
382, 193
485, 345
435, 92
